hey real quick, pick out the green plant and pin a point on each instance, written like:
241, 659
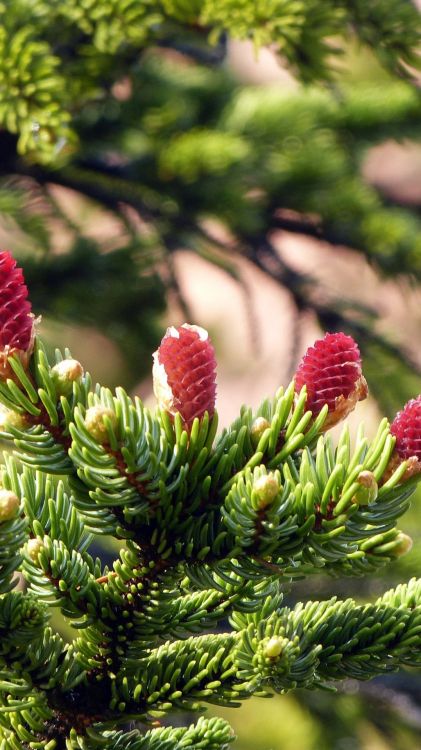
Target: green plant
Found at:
126, 105
209, 527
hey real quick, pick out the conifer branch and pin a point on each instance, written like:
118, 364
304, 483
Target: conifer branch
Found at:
209, 525
213, 525
303, 647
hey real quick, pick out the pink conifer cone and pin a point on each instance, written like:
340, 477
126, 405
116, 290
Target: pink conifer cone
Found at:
184, 373
17, 329
331, 371
406, 428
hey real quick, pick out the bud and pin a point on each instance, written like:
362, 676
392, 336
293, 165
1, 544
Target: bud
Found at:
33, 548
403, 545
17, 329
368, 489
331, 371
274, 647
266, 487
95, 422
9, 505
65, 373
184, 373
257, 429
10, 418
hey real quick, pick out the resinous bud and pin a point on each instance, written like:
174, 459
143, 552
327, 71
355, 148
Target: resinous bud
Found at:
9, 505
96, 419
368, 488
10, 418
274, 647
267, 488
33, 548
403, 545
65, 373
259, 426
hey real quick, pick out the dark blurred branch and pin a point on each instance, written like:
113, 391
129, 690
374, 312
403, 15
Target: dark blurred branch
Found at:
113, 191
204, 55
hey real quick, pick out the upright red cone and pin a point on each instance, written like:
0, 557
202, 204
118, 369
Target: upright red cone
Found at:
406, 428
17, 330
331, 371
184, 373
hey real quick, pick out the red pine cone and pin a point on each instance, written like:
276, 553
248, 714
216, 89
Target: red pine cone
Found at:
184, 373
16, 319
331, 370
406, 427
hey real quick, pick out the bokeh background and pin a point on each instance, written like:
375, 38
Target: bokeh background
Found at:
204, 181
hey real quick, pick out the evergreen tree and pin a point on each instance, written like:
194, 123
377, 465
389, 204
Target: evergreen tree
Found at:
129, 104
209, 526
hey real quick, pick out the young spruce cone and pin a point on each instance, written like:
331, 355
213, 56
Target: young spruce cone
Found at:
17, 329
184, 373
406, 428
331, 371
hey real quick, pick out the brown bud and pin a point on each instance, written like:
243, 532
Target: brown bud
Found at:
413, 468
403, 545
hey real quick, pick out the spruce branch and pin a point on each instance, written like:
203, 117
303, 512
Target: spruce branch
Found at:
42, 432
210, 527
305, 647
209, 734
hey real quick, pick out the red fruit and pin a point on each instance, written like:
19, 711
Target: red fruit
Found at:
184, 373
406, 427
331, 371
16, 319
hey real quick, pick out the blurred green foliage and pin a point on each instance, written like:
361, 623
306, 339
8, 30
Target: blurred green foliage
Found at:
103, 289
127, 105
